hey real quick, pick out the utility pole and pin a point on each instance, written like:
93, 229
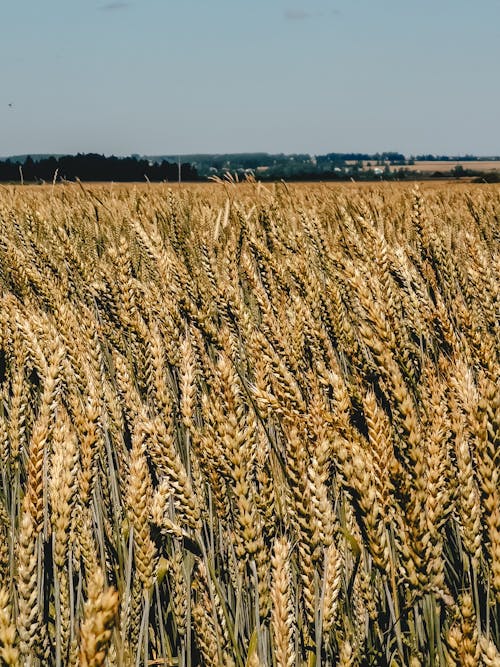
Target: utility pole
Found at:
179, 167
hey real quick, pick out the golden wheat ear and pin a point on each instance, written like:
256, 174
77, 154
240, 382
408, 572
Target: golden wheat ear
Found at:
100, 615
9, 653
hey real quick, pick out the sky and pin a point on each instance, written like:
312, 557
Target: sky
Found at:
213, 76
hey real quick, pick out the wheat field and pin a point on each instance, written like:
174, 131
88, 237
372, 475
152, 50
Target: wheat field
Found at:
247, 425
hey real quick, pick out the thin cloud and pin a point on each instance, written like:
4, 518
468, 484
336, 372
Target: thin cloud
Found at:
114, 6
303, 15
297, 15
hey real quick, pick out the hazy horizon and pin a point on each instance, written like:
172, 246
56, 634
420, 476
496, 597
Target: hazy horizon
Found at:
167, 78
172, 156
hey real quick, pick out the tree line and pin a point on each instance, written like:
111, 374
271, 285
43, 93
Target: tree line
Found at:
94, 167
198, 167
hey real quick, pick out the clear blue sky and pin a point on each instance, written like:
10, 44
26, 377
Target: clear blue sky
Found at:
165, 76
